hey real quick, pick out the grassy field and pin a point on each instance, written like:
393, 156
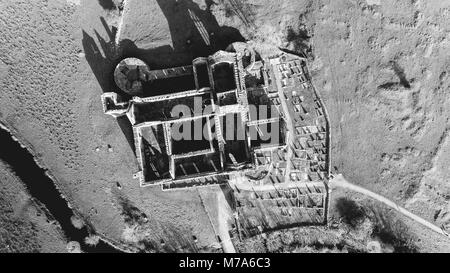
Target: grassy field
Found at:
24, 225
380, 68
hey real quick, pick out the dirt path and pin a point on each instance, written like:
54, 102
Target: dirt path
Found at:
339, 181
215, 204
290, 125
270, 187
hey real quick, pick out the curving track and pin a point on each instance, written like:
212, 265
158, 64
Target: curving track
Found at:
339, 181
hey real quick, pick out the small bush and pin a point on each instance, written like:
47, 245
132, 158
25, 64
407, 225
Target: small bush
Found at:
392, 232
352, 213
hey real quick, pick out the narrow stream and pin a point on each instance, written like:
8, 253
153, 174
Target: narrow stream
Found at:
42, 188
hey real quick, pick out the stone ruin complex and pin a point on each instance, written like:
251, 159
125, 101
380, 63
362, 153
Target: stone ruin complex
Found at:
277, 183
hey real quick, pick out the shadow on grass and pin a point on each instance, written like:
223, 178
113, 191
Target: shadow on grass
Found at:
351, 213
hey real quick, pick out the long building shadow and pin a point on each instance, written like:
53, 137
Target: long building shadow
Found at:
194, 32
102, 59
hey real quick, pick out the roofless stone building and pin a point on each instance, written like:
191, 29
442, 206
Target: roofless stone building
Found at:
235, 118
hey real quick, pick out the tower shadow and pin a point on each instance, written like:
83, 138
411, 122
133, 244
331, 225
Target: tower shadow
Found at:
102, 59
